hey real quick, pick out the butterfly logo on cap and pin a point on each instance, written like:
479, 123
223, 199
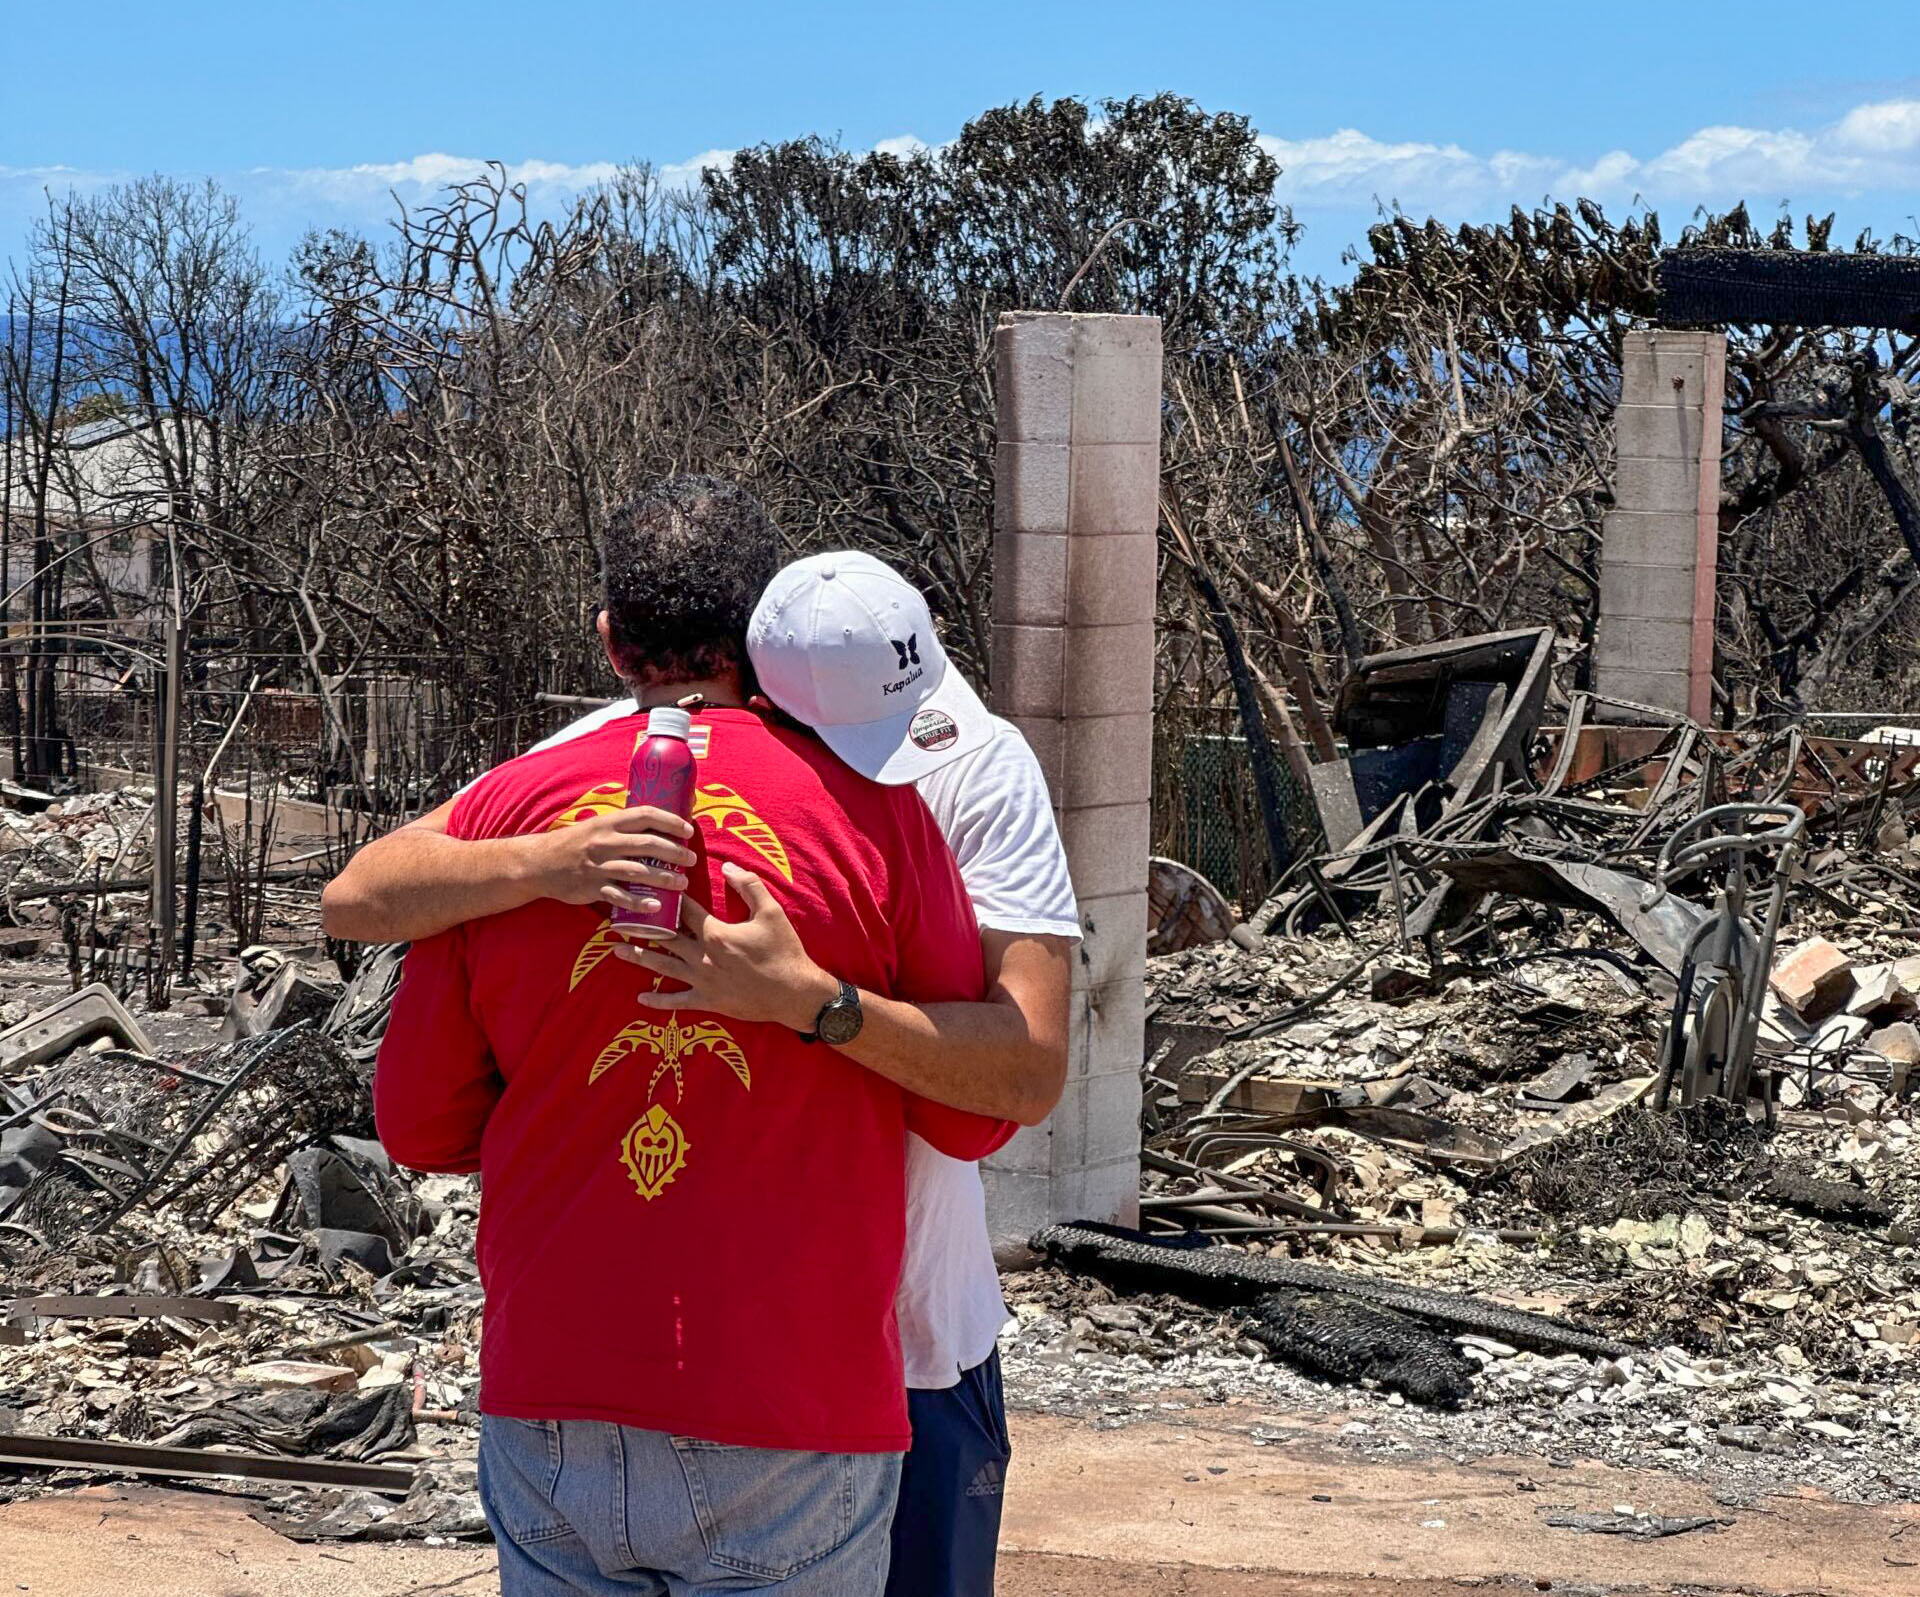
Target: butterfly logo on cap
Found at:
909, 651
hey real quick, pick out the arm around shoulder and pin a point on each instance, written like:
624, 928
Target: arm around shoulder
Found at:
421, 880
375, 898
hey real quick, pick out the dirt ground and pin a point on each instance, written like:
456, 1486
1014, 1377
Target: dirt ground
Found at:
1180, 1507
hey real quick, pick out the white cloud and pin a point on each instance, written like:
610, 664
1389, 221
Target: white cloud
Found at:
1873, 148
1723, 160
1611, 174
1350, 166
426, 173
1891, 127
684, 174
47, 174
26, 184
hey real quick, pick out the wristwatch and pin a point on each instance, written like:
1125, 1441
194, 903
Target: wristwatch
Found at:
839, 1020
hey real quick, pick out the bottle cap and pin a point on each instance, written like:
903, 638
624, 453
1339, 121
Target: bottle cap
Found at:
669, 721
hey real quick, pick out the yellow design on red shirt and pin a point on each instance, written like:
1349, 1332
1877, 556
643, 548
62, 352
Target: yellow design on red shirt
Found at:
592, 954
606, 799
720, 806
671, 1043
727, 811
717, 804
654, 1150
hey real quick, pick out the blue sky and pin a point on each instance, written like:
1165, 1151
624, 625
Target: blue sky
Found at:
315, 112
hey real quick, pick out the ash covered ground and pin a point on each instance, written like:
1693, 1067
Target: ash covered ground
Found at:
1766, 1279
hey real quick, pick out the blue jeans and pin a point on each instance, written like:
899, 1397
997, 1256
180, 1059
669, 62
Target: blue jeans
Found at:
581, 1506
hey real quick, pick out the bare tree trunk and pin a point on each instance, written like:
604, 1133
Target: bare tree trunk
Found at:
38, 411
1293, 661
1246, 698
1899, 573
1898, 578
1323, 567
1290, 745
1902, 498
8, 670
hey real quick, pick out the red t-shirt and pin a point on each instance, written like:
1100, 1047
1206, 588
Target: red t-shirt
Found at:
689, 1224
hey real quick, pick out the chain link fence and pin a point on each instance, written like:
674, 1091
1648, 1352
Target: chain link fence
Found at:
1206, 809
407, 743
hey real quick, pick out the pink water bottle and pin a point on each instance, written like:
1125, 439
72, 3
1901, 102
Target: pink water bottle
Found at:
661, 775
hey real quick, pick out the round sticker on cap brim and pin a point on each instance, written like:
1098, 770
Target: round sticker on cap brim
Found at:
933, 730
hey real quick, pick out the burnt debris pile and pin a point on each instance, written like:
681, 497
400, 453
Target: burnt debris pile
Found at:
1613, 1021
1567, 1093
208, 1268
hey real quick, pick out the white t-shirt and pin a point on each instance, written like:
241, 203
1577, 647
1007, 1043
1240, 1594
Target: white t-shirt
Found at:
993, 808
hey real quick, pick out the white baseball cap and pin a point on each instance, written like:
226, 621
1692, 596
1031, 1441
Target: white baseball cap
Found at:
846, 644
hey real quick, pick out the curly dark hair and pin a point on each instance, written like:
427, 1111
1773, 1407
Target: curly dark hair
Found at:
685, 564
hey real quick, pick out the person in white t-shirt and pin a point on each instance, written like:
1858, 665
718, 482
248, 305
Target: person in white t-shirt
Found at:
846, 646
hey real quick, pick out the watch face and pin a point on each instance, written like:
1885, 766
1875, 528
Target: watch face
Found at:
840, 1021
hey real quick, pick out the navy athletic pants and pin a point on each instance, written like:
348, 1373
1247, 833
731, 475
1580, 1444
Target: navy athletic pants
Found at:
947, 1524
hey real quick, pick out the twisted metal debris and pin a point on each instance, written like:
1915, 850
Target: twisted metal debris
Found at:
122, 1129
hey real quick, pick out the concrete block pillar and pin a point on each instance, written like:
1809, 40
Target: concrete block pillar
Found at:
1076, 506
1660, 546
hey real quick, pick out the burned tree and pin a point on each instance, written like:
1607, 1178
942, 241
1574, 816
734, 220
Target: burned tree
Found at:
379, 488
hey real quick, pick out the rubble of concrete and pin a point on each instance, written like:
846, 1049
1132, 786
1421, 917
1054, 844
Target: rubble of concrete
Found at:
206, 1259
207, 1265
271, 990
1439, 1068
76, 885
46, 839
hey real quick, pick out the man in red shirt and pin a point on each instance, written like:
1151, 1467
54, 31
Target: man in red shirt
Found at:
692, 1227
